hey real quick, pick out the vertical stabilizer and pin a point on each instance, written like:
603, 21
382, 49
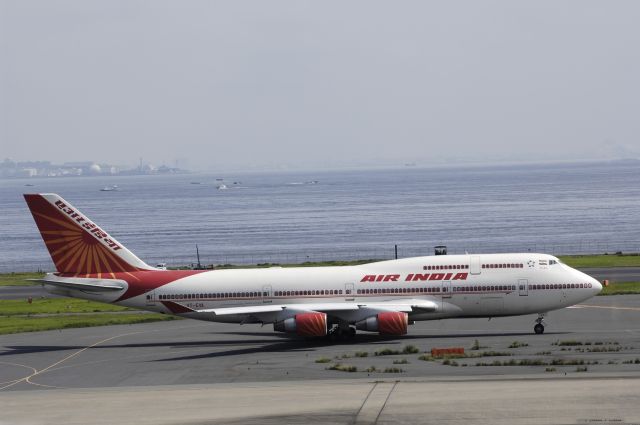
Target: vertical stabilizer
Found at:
76, 244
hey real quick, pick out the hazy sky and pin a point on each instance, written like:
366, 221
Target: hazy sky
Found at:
272, 84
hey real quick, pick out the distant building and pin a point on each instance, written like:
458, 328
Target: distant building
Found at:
28, 172
11, 169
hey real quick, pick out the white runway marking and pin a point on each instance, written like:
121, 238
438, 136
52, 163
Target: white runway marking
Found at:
605, 307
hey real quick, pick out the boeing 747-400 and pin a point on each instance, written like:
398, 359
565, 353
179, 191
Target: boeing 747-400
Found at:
383, 297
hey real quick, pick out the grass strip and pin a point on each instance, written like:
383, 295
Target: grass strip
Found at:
55, 306
16, 324
19, 279
613, 260
621, 288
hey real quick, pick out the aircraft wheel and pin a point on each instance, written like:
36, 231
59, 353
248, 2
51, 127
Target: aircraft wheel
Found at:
538, 328
352, 333
338, 334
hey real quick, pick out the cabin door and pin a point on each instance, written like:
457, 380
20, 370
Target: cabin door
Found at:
151, 298
348, 292
446, 289
474, 267
523, 287
266, 294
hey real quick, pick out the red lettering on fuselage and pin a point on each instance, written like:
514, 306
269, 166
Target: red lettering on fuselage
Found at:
413, 277
369, 278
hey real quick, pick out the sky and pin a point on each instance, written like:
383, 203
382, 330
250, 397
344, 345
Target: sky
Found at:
236, 85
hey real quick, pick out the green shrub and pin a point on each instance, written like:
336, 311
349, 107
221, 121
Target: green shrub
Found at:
343, 368
393, 370
386, 352
410, 349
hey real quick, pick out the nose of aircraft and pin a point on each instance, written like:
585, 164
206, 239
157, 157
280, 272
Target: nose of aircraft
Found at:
596, 286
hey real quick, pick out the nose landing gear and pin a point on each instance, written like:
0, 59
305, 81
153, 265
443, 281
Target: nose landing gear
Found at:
539, 326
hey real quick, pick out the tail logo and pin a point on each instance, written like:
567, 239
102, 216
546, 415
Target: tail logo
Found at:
76, 244
88, 225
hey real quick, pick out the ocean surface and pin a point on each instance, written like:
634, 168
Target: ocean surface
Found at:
335, 215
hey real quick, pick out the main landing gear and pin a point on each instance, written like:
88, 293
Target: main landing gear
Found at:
342, 333
539, 326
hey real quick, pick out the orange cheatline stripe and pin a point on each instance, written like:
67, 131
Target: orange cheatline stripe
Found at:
104, 266
62, 247
107, 259
63, 239
59, 222
117, 261
75, 257
62, 232
83, 259
114, 262
64, 261
71, 250
132, 276
89, 260
96, 260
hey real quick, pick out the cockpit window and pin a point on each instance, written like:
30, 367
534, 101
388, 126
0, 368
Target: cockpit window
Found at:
552, 262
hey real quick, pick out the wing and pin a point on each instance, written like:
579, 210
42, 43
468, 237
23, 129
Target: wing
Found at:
350, 312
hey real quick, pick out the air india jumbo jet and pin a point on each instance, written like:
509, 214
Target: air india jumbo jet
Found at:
383, 297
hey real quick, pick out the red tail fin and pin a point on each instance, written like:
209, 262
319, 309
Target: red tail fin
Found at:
75, 243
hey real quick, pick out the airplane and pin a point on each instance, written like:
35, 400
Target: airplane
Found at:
383, 297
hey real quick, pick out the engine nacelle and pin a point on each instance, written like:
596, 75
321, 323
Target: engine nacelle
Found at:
304, 324
390, 323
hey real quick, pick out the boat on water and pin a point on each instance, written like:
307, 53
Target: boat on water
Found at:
109, 188
222, 187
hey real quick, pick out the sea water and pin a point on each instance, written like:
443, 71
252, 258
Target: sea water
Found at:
291, 217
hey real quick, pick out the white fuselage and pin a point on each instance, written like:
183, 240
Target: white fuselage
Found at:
461, 285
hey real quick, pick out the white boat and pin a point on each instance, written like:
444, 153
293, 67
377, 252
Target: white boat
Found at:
222, 187
109, 188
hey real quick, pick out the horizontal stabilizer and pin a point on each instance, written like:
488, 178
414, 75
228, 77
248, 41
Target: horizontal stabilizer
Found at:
83, 284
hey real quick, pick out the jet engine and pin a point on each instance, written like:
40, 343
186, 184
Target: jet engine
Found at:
304, 324
390, 323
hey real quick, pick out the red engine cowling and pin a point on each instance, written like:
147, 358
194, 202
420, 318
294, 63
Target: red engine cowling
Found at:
304, 324
390, 323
